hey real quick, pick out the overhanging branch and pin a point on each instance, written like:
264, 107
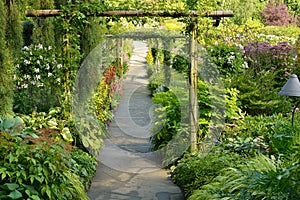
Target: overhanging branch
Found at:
133, 13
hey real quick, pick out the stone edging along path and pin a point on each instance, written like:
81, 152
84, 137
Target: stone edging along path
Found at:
127, 169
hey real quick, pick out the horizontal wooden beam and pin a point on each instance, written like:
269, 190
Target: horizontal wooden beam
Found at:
42, 13
133, 13
137, 35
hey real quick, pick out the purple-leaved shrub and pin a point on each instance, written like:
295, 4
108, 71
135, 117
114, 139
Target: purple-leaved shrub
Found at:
277, 14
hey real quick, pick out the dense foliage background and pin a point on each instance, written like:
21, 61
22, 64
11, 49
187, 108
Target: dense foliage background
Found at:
43, 154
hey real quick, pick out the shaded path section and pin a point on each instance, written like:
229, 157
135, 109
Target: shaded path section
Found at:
127, 169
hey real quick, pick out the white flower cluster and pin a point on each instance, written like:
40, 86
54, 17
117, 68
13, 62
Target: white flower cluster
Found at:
274, 39
239, 40
38, 67
230, 58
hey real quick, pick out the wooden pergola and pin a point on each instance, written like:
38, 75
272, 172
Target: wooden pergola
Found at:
193, 90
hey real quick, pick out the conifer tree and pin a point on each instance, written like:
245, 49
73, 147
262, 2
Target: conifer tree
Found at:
10, 46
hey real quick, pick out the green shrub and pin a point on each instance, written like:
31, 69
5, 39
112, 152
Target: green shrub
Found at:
51, 119
215, 107
84, 166
95, 101
168, 118
181, 64
42, 165
257, 92
156, 81
194, 171
270, 135
255, 155
39, 164
205, 108
101, 103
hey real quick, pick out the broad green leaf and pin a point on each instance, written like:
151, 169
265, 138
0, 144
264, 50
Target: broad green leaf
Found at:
35, 136
48, 192
66, 134
15, 194
10, 186
30, 190
8, 123
52, 123
3, 176
35, 197
19, 120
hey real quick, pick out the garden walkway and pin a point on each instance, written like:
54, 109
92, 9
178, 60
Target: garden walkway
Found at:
127, 169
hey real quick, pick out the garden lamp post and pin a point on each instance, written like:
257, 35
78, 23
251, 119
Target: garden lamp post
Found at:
292, 89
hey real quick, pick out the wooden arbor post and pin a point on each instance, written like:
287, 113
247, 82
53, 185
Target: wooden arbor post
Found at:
193, 90
157, 55
119, 53
167, 61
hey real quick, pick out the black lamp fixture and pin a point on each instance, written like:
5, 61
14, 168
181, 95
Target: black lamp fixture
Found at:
217, 22
292, 89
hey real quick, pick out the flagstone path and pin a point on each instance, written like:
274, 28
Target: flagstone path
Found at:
128, 169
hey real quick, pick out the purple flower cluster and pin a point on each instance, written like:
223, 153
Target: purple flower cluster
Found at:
263, 56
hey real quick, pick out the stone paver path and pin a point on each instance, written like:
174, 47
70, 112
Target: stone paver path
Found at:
127, 169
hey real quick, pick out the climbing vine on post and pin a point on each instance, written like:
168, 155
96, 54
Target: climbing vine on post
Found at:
72, 25
74, 19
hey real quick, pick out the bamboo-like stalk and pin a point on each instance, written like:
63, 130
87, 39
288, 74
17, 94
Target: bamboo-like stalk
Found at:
140, 13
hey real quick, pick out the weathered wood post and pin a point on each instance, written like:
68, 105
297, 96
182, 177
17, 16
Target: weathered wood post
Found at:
193, 90
157, 56
298, 50
119, 54
167, 62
